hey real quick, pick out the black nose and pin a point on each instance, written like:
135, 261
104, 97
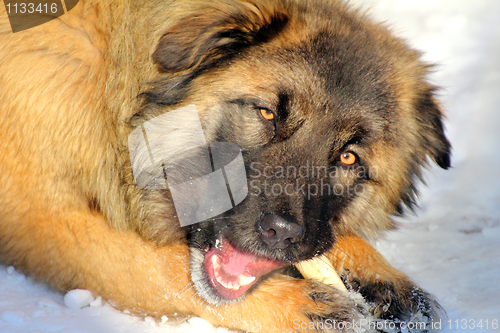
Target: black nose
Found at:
279, 233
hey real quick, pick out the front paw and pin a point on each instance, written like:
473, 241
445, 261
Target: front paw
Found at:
334, 310
400, 306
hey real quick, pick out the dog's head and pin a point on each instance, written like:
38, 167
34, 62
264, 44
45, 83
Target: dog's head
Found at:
334, 117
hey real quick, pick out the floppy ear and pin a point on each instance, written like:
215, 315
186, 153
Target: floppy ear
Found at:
207, 39
204, 38
435, 142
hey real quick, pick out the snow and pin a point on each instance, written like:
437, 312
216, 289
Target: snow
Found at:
450, 248
78, 298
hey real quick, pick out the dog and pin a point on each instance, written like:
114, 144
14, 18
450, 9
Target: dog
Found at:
334, 119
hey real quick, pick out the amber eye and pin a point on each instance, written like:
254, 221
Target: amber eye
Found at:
348, 158
267, 114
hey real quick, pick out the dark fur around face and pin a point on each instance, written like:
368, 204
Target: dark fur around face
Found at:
335, 83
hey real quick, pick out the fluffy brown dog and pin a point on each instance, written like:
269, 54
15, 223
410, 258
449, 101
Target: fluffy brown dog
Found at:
299, 86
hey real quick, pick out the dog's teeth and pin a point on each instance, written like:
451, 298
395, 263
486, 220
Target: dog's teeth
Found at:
219, 279
243, 280
215, 263
216, 266
246, 280
227, 284
235, 285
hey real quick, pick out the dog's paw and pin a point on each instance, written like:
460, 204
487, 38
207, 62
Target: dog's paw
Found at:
400, 306
335, 310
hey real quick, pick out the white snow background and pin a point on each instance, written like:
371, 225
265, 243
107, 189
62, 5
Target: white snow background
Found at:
450, 248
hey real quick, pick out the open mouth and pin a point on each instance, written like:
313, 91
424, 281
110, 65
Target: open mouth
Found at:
232, 272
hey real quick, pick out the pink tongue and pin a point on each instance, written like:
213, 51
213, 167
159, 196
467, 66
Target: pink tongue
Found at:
235, 261
232, 264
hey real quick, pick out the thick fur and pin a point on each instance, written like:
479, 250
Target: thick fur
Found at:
73, 89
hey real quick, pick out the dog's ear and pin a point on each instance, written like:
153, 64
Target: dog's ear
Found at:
205, 38
434, 140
